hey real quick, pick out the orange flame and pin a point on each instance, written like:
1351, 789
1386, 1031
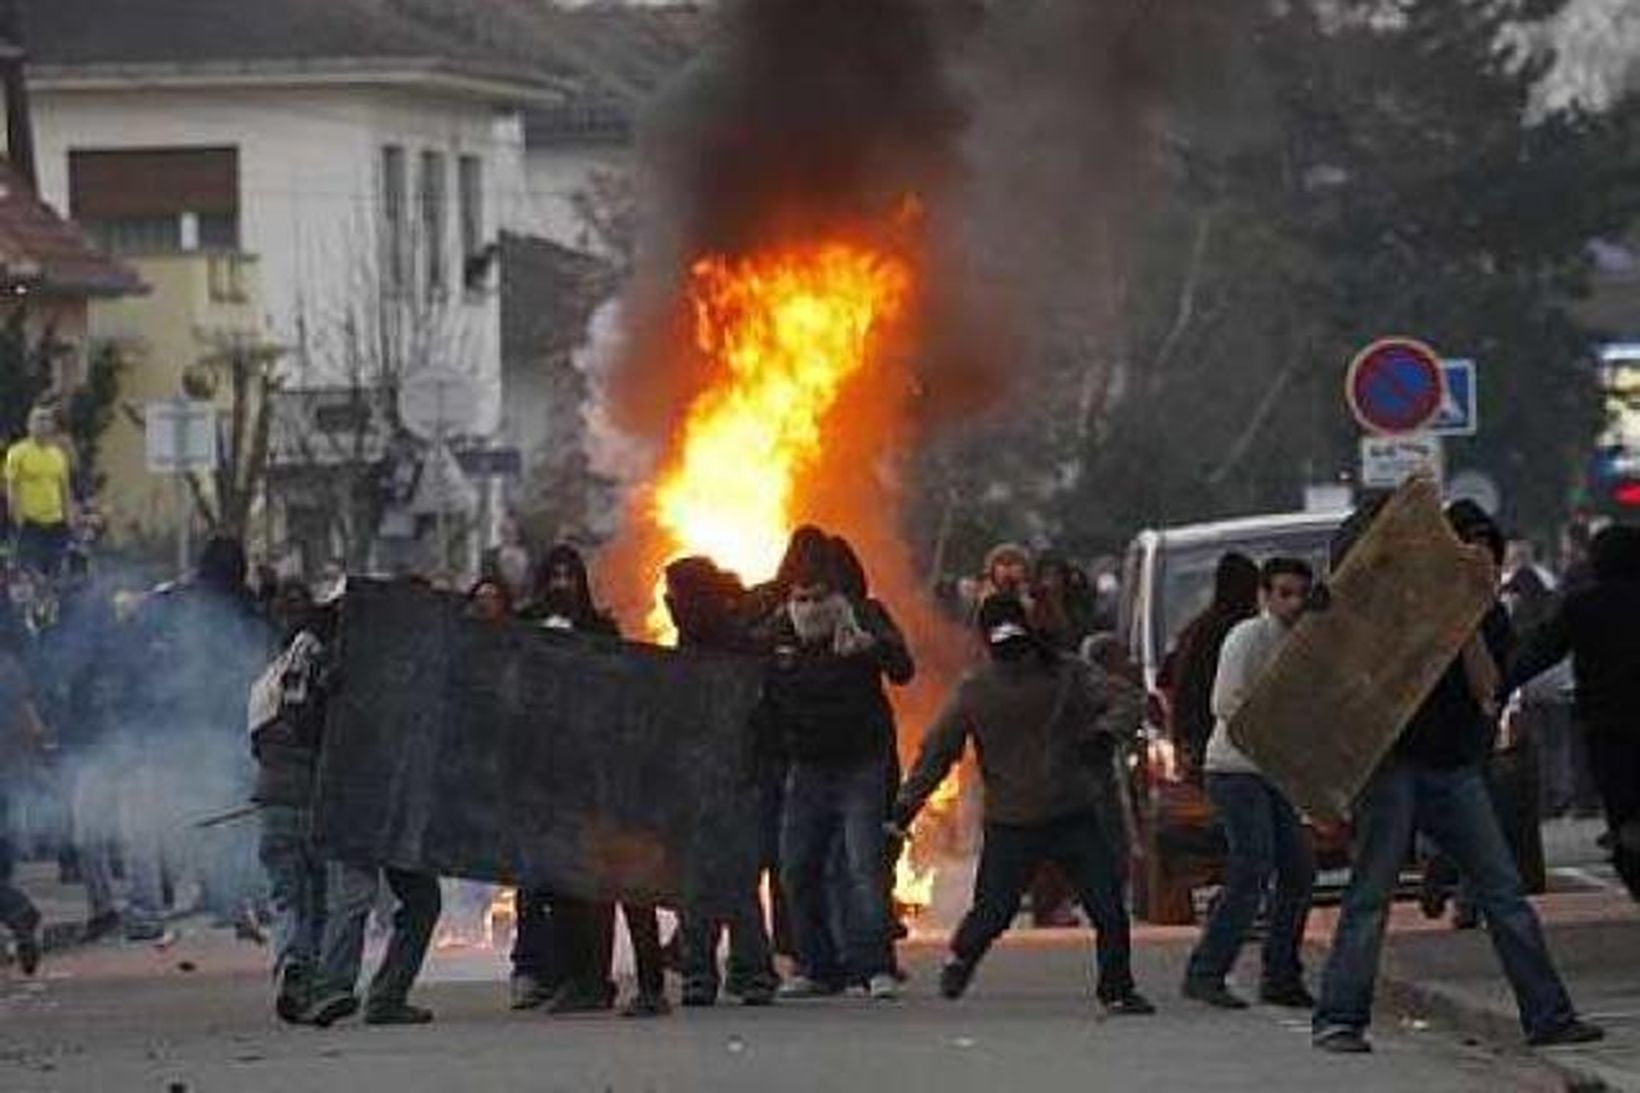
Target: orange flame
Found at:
788, 330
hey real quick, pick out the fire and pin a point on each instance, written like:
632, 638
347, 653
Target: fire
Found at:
785, 331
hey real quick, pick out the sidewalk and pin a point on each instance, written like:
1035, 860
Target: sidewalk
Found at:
1433, 973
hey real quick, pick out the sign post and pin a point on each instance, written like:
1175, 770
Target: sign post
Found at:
1397, 389
180, 436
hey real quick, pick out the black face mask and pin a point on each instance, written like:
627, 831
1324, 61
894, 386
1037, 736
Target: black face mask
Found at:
1013, 650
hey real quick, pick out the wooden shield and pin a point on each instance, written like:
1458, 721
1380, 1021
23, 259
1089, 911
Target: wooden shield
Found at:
1338, 694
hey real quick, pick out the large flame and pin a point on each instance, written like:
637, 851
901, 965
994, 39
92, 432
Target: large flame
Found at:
786, 332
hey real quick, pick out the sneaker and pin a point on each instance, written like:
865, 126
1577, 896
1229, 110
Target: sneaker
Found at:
753, 992
1572, 1032
1341, 1040
700, 994
526, 992
397, 1013
28, 949
1293, 996
1466, 917
801, 986
295, 989
1131, 1004
955, 976
883, 987
329, 1007
144, 932
644, 1004
100, 926
574, 998
1213, 994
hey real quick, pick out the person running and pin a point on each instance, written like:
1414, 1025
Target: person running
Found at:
1037, 719
1267, 840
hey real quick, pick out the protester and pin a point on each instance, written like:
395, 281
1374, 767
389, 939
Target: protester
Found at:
1598, 624
78, 653
192, 652
39, 495
1189, 679
1036, 718
1267, 840
824, 694
1062, 603
584, 931
1433, 780
286, 722
21, 736
709, 609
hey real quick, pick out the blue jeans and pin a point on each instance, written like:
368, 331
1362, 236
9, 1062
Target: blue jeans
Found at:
1267, 840
296, 885
826, 803
1451, 807
351, 892
1085, 852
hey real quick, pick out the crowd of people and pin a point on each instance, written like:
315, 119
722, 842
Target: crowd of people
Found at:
164, 715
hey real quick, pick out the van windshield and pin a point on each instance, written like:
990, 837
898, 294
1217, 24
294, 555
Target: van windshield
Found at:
1186, 574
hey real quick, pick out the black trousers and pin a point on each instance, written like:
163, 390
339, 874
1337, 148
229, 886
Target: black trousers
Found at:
584, 939
1080, 847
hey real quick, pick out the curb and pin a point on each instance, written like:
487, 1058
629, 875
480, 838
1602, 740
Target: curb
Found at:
1582, 1072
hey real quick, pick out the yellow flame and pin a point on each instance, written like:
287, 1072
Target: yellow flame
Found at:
785, 332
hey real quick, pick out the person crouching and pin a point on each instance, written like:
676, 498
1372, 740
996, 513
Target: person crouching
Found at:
1037, 718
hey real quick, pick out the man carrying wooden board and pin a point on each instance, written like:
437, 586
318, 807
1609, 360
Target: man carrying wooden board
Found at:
1403, 666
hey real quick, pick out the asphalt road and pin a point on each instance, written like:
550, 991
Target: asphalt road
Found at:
196, 1017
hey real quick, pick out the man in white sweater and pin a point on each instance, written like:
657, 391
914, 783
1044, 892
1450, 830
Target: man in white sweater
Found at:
1265, 835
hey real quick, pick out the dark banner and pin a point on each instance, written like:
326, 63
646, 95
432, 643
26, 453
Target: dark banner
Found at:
502, 752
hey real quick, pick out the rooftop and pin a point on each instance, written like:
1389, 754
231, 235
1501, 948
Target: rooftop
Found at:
42, 252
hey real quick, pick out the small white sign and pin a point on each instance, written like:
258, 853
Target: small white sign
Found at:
180, 436
1388, 461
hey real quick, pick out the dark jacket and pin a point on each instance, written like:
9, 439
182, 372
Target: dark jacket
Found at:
1450, 729
831, 709
1043, 731
574, 610
1599, 625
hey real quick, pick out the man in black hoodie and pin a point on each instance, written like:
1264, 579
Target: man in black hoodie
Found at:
1599, 625
583, 932
824, 695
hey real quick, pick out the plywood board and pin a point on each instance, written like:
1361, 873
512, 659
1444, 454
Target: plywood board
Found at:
1332, 704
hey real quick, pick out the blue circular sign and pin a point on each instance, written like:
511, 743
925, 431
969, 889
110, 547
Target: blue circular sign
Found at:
1395, 385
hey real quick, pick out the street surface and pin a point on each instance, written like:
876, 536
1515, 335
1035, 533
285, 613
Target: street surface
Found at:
196, 1016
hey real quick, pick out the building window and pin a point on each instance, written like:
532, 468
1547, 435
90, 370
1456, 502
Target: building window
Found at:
474, 260
148, 200
433, 200
395, 222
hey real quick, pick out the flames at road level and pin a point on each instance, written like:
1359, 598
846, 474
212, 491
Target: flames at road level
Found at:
785, 332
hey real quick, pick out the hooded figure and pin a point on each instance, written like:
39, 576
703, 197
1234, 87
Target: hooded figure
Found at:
1599, 625
561, 596
1195, 661
1039, 724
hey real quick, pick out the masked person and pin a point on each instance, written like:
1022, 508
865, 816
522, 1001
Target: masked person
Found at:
709, 610
1433, 782
584, 930
1598, 623
21, 734
1267, 840
1037, 719
824, 695
286, 721
1189, 674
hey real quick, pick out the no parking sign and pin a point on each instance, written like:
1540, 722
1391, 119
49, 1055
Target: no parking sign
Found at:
1396, 386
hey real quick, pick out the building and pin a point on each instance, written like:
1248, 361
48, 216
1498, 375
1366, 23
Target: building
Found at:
367, 154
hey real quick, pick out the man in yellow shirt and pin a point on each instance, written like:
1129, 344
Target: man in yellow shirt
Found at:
38, 496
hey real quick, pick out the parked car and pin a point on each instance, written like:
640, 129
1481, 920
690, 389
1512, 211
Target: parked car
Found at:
1178, 843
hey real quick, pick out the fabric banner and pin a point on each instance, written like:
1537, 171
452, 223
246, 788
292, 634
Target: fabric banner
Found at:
1402, 606
503, 752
